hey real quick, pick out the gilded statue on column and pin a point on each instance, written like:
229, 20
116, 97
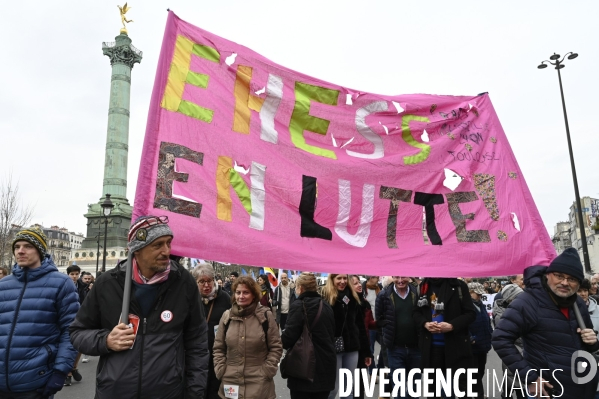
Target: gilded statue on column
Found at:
124, 19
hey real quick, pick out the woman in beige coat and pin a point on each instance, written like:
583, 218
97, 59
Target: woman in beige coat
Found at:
247, 347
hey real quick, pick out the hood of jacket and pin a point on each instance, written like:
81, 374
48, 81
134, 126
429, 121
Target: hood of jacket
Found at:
533, 276
46, 267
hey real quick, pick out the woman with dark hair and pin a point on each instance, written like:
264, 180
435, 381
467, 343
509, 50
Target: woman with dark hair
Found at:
306, 308
215, 302
265, 290
351, 342
247, 346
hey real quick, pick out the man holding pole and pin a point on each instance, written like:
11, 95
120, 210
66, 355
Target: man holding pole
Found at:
163, 351
556, 331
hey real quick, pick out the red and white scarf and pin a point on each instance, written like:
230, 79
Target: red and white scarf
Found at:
155, 279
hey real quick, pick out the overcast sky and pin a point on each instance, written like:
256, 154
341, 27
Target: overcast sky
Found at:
56, 82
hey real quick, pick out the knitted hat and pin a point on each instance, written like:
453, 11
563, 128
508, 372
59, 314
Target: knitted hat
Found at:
477, 288
568, 262
34, 236
509, 292
146, 229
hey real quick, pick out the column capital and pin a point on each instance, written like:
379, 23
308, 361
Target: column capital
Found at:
122, 51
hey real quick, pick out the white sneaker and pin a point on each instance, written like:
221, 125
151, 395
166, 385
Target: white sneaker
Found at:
84, 359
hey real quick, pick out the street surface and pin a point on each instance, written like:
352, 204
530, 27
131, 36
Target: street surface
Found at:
85, 388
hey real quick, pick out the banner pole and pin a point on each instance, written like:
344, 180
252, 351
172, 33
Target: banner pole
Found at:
127, 291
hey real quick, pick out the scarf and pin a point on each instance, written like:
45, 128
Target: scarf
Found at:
239, 311
155, 279
211, 296
559, 301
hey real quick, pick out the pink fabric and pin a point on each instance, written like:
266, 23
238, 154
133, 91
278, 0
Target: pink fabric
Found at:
379, 235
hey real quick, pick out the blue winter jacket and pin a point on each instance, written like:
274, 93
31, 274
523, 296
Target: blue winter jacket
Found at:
36, 308
550, 339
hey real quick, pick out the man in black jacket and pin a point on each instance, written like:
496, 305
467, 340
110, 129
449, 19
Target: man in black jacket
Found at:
165, 353
544, 316
282, 299
394, 308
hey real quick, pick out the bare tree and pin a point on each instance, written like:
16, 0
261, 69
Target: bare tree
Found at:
12, 213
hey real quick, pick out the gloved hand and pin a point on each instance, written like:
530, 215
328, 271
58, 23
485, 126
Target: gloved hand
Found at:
54, 384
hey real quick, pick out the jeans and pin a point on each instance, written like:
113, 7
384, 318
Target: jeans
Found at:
403, 358
346, 360
283, 321
480, 360
372, 341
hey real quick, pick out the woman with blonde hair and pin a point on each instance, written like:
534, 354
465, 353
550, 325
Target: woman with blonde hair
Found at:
351, 342
309, 308
247, 347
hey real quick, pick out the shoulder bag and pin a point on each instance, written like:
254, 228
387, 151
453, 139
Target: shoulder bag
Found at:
300, 360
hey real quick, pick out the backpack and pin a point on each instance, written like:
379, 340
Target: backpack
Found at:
264, 327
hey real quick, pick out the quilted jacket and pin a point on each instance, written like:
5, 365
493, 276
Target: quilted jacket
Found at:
549, 337
36, 308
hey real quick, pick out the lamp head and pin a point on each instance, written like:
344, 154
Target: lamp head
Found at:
107, 206
572, 56
554, 57
542, 66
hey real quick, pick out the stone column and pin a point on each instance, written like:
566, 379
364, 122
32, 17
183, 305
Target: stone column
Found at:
122, 58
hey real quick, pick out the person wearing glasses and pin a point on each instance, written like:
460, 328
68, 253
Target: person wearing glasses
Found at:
594, 290
163, 352
215, 302
544, 317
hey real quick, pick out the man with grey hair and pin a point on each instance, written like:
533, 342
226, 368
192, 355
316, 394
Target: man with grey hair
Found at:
215, 301
282, 299
163, 352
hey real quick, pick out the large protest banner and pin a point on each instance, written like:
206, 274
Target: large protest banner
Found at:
257, 164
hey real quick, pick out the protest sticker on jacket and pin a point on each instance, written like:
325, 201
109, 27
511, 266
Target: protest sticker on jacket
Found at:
260, 165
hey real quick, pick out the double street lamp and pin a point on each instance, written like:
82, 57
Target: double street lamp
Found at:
107, 206
559, 64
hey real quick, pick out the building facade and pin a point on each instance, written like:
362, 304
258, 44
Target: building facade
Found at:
590, 213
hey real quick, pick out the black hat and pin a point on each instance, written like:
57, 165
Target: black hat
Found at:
568, 262
234, 274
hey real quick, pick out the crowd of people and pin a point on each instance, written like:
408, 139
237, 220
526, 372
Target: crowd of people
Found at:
197, 335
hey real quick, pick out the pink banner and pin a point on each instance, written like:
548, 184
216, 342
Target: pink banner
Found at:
260, 165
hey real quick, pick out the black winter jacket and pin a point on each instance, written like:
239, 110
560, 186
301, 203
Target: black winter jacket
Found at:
214, 308
349, 323
459, 312
549, 337
323, 337
168, 359
385, 313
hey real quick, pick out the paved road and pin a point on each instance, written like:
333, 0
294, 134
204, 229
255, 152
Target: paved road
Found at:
85, 388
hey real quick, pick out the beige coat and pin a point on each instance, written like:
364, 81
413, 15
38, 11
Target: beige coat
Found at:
242, 358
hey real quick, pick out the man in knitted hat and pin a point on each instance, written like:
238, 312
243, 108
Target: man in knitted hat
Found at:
37, 304
164, 351
544, 317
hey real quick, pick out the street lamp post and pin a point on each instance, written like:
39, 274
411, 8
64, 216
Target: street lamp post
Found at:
559, 64
98, 254
107, 206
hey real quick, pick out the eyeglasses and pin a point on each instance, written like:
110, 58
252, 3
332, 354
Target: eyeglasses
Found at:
560, 277
205, 282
